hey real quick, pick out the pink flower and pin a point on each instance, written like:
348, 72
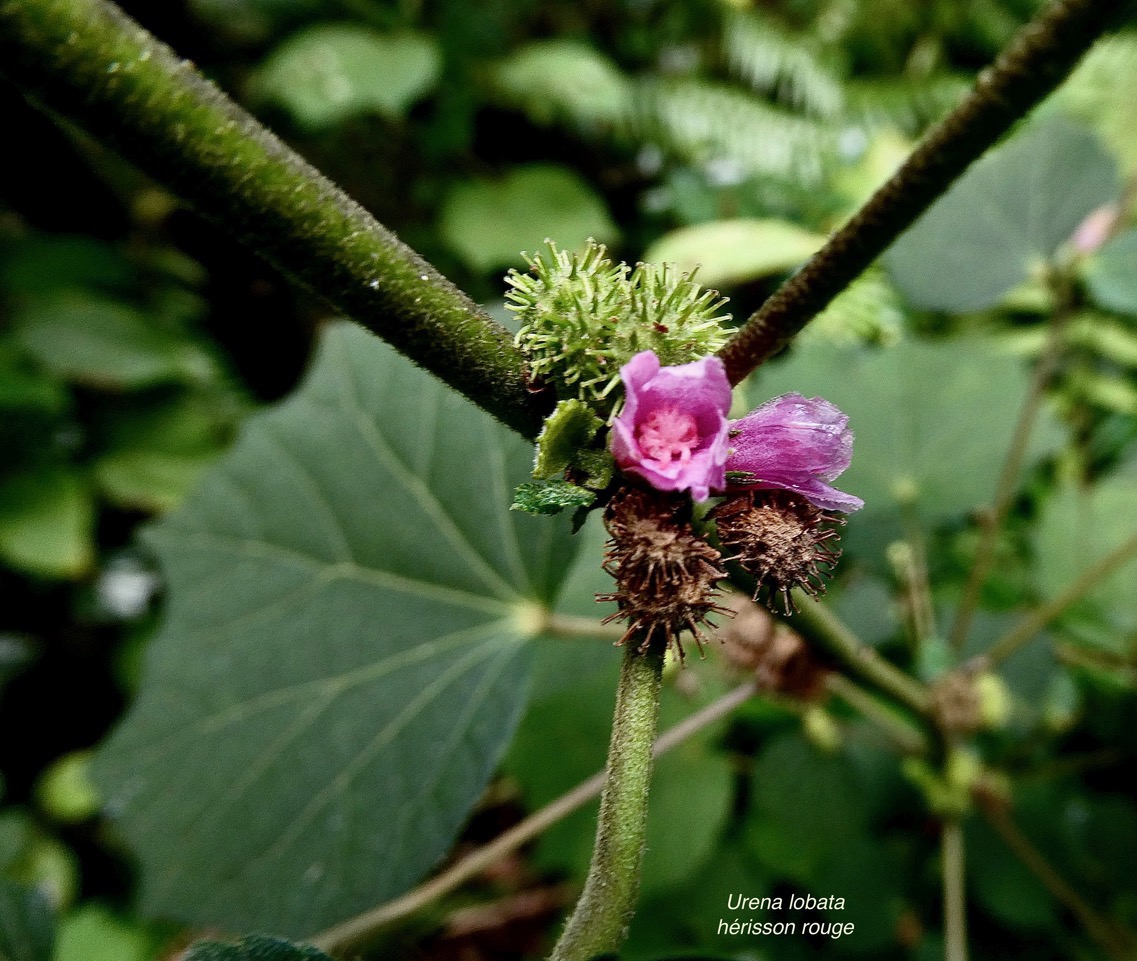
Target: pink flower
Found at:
672, 431
793, 443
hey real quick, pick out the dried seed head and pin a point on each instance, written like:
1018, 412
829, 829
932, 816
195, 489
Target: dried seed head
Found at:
781, 539
665, 573
782, 660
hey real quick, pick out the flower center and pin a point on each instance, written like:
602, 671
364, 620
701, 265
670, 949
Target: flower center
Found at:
668, 434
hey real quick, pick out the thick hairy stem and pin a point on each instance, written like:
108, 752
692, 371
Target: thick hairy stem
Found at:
599, 923
88, 61
1035, 62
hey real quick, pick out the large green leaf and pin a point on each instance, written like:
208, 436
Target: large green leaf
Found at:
932, 423
329, 72
342, 661
488, 223
1004, 218
729, 252
27, 928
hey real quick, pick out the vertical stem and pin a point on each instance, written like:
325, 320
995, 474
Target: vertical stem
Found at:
1012, 464
955, 893
599, 923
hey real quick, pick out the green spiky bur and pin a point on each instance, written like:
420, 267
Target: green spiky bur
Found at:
583, 318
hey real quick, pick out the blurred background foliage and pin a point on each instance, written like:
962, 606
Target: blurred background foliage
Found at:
135, 339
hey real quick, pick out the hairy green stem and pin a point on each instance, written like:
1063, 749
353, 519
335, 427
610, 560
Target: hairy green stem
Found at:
955, 892
88, 61
599, 923
1034, 63
358, 930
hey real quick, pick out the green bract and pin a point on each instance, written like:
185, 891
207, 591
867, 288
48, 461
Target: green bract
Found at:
583, 318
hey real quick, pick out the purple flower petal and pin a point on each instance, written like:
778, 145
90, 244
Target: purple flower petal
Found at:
794, 443
672, 430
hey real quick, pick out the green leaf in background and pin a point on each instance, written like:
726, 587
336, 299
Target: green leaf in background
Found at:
808, 804
1079, 527
49, 263
488, 223
1002, 884
255, 948
1111, 275
158, 448
92, 933
932, 423
558, 79
25, 388
330, 72
1004, 218
47, 521
343, 657
730, 252
27, 927
30, 856
104, 343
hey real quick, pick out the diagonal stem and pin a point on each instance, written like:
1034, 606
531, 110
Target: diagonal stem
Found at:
1034, 63
360, 929
86, 60
1034, 622
1115, 943
817, 623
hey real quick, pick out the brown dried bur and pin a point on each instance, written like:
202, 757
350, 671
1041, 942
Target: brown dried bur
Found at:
781, 660
781, 539
665, 573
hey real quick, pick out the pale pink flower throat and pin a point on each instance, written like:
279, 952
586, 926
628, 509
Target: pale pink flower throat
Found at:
668, 434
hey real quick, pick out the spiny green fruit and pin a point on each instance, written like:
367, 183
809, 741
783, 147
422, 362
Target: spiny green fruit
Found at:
583, 318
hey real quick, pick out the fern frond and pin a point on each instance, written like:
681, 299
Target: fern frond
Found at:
907, 105
789, 69
707, 123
